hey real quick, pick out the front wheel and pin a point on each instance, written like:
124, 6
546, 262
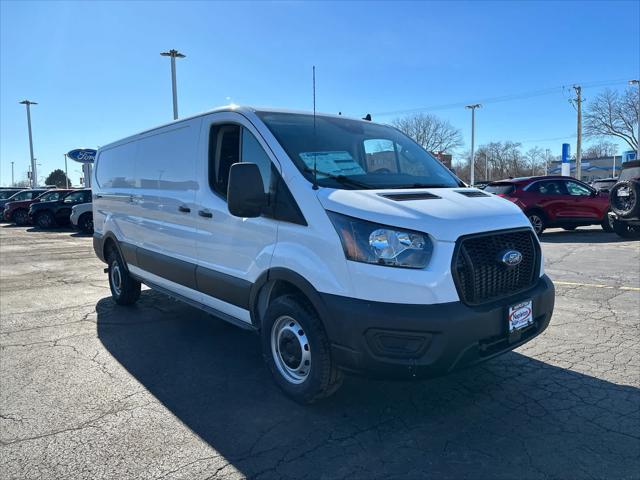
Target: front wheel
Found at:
297, 351
607, 223
626, 231
21, 217
45, 220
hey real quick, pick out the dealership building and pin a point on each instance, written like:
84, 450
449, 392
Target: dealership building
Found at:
592, 168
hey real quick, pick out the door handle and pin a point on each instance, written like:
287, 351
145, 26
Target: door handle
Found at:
205, 213
184, 209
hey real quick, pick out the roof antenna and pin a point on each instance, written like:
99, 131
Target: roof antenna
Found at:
315, 153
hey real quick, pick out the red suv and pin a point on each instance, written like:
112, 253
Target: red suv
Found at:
555, 201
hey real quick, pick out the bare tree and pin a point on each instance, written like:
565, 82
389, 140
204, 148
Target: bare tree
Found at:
432, 133
535, 159
613, 115
601, 150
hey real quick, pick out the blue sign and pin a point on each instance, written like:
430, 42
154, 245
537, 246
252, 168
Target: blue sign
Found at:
628, 156
566, 152
82, 155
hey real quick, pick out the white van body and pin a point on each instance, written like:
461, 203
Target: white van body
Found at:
159, 202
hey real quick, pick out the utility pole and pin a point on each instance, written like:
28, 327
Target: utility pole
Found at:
174, 54
637, 82
578, 90
12, 182
34, 176
66, 175
546, 162
473, 139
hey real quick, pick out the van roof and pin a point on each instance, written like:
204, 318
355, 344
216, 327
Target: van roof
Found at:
232, 108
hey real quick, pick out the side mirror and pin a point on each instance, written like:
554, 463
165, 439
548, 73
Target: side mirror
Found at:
245, 191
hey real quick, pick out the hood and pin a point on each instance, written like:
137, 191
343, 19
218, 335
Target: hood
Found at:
50, 203
444, 213
18, 204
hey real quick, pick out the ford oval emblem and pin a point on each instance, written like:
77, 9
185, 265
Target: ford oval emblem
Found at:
510, 258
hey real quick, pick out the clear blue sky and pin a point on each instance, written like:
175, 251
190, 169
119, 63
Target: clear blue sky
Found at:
95, 68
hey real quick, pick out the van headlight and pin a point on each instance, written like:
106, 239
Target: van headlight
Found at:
370, 242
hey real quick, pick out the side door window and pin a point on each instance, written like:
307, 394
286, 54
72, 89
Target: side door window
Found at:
550, 187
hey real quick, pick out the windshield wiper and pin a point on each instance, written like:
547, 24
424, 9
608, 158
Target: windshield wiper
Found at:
342, 179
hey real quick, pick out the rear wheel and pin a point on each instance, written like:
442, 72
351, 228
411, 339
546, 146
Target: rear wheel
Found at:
20, 217
537, 221
85, 222
45, 219
296, 349
125, 290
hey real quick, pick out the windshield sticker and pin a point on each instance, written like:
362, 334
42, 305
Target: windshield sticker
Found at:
336, 163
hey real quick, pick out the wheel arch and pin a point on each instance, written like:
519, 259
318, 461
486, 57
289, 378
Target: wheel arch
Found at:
279, 281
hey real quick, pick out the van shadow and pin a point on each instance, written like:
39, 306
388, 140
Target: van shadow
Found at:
513, 417
580, 236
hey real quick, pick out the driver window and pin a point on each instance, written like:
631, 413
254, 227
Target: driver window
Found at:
577, 189
229, 144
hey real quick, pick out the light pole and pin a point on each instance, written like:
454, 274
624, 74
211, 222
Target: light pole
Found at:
34, 176
473, 139
66, 174
174, 54
637, 82
12, 182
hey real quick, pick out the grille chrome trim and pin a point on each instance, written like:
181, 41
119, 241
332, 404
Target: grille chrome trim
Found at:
480, 279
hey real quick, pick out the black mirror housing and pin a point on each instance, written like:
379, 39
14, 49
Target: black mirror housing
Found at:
245, 191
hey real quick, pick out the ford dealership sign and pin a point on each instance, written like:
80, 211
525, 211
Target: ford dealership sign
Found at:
82, 155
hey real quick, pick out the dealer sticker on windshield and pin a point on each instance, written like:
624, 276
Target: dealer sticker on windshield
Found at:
520, 316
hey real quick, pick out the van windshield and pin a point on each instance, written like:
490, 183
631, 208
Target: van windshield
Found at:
355, 154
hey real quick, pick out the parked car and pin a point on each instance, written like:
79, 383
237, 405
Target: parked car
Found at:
604, 184
554, 201
18, 212
82, 217
20, 195
344, 244
51, 214
625, 201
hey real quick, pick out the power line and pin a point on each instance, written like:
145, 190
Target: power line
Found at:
503, 98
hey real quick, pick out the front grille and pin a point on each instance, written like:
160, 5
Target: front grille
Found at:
479, 274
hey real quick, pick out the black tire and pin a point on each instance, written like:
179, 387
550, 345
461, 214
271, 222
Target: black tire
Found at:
125, 290
45, 220
291, 332
607, 223
627, 206
85, 222
570, 228
626, 231
538, 221
20, 217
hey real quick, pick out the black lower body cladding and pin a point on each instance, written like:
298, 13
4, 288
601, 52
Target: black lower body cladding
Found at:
376, 339
415, 341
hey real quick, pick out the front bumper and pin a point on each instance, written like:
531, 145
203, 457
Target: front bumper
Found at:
410, 341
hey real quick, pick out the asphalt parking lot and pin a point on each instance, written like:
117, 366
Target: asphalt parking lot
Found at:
91, 390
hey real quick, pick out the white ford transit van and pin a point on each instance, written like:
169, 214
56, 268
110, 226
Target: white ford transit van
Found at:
344, 244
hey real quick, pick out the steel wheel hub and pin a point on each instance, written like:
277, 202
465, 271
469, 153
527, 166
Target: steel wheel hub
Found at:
290, 350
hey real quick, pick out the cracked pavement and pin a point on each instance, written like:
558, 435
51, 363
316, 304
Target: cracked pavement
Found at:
90, 390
